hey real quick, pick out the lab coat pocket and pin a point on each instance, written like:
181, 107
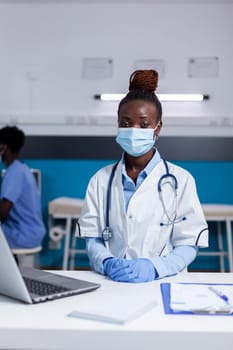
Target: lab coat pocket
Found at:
157, 240
151, 240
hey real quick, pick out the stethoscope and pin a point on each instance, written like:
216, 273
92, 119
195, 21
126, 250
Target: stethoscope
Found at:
166, 178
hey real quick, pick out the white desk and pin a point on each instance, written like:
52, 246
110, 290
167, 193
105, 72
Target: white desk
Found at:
45, 326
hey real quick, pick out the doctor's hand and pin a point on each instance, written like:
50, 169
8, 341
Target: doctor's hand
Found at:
134, 271
112, 265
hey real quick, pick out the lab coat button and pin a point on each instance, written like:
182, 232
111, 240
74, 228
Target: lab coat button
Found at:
130, 216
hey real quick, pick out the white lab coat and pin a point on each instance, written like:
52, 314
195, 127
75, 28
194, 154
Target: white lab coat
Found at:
142, 231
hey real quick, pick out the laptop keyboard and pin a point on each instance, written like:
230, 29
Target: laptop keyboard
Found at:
42, 288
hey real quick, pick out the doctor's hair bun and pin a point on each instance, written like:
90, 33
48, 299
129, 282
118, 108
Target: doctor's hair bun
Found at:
144, 80
142, 86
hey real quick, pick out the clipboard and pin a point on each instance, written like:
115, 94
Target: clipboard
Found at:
165, 293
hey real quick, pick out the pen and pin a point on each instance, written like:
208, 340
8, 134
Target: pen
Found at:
219, 294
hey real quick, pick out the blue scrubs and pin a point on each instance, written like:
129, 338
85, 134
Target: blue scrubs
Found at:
23, 227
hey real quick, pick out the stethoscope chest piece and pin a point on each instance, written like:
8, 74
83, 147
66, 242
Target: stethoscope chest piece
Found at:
106, 234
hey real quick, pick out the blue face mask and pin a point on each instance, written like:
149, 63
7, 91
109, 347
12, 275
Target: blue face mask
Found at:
135, 141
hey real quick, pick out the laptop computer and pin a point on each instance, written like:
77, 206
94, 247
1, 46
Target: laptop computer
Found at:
32, 285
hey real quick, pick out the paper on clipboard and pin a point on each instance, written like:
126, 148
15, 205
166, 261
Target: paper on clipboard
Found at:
201, 298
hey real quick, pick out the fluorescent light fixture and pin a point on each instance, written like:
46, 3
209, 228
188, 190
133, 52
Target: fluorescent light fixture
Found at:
182, 97
162, 97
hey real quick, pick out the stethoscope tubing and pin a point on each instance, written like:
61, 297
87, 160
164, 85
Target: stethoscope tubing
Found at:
107, 233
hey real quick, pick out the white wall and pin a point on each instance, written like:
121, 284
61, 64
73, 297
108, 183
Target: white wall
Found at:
42, 48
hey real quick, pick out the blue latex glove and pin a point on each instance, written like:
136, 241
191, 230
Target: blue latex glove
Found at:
134, 271
112, 265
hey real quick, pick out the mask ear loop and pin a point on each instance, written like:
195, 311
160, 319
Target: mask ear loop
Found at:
156, 135
2, 151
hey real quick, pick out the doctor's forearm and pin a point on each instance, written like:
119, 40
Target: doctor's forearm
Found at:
175, 261
5, 207
97, 253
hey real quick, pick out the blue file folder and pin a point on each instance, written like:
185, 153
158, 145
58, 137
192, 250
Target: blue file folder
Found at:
165, 292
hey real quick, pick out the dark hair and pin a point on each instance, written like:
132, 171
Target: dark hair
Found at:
142, 86
13, 137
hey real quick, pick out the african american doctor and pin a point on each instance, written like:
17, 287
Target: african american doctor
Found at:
141, 217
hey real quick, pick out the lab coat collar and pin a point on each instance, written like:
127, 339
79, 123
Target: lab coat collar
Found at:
150, 166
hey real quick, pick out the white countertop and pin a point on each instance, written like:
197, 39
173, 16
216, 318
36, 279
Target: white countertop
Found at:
46, 326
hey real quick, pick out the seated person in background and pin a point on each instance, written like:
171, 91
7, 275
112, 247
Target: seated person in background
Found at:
20, 205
